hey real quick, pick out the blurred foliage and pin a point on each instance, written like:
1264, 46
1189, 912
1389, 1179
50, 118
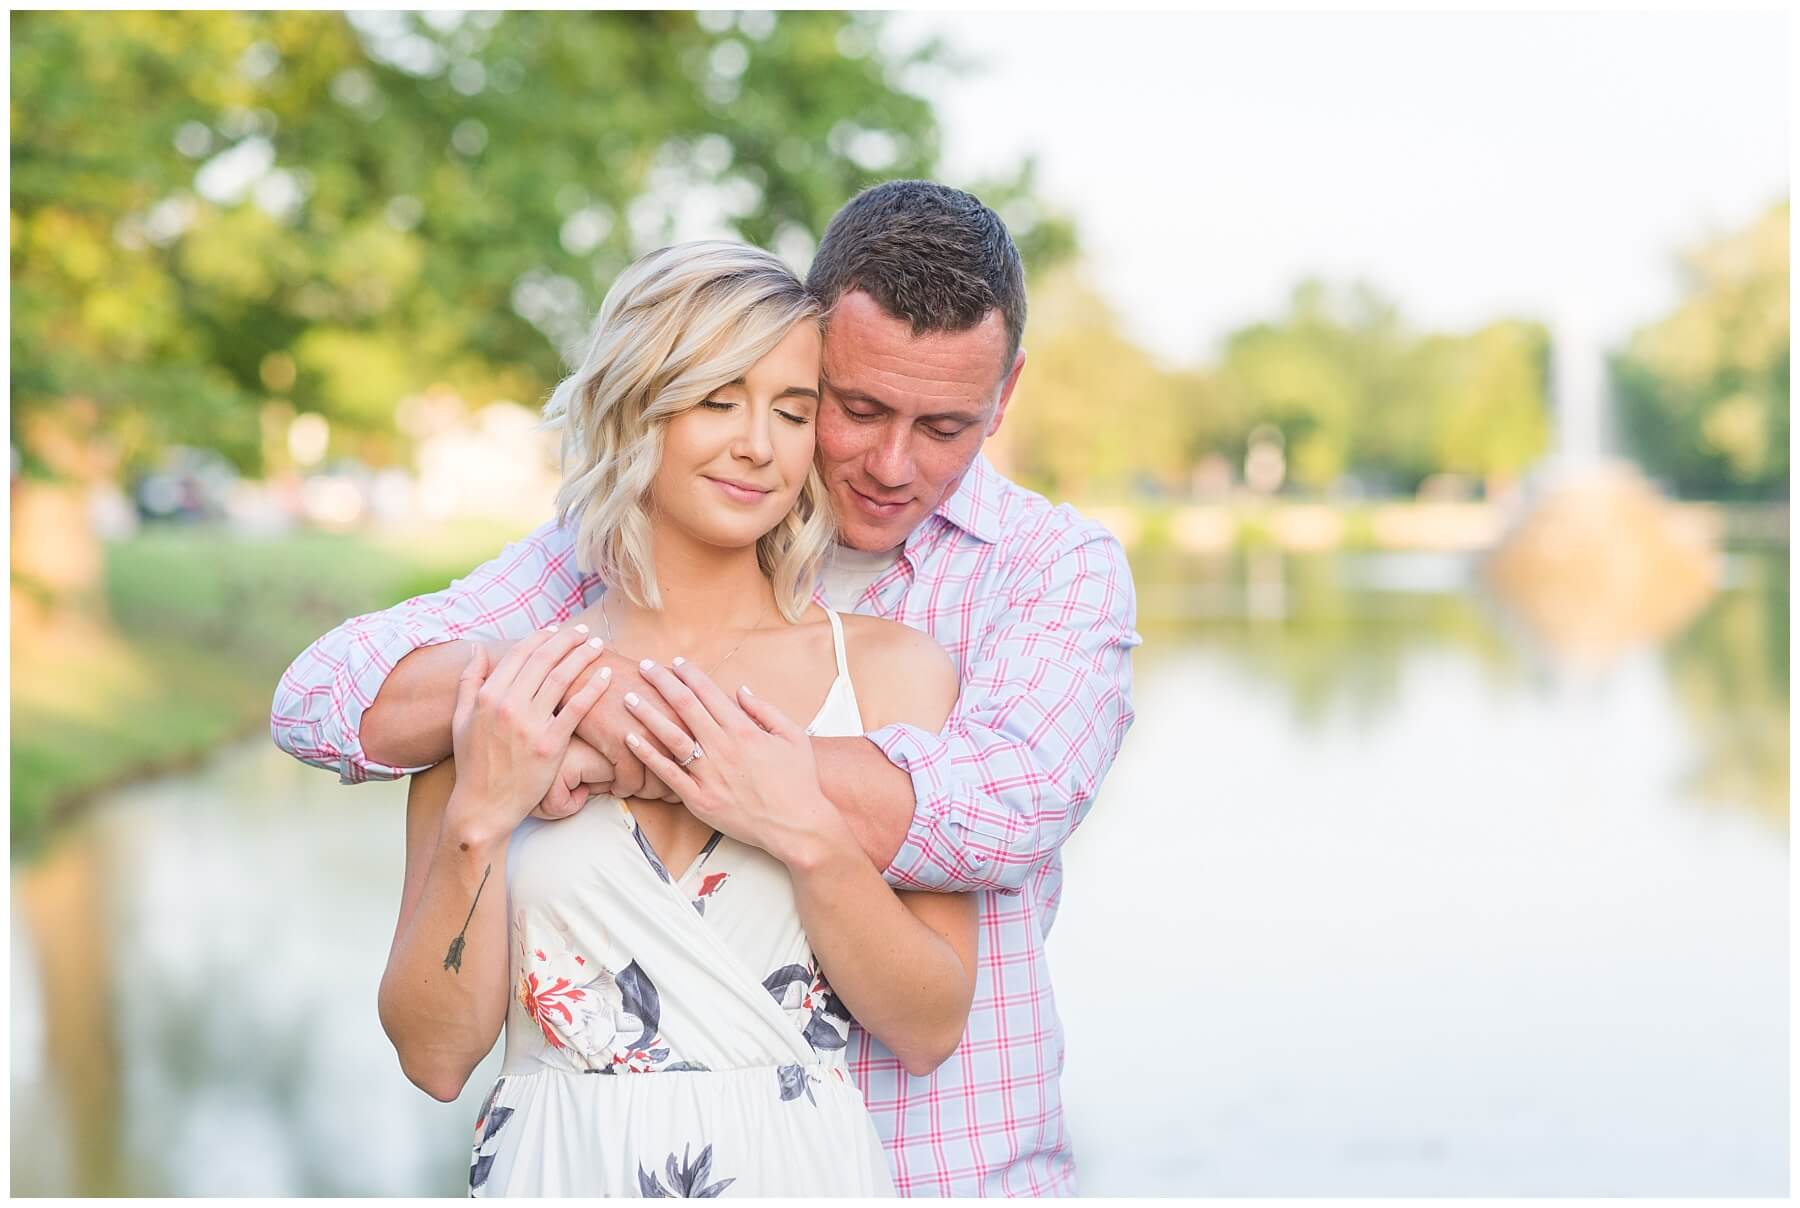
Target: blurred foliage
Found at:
1351, 391
214, 213
204, 625
1096, 415
1703, 393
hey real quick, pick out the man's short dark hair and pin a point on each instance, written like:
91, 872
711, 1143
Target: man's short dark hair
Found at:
929, 254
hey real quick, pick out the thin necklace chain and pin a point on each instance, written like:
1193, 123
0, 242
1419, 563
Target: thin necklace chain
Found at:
709, 670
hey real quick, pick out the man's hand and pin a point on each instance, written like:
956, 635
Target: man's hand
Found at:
584, 773
604, 729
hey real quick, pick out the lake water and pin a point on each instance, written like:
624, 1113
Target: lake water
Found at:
1381, 898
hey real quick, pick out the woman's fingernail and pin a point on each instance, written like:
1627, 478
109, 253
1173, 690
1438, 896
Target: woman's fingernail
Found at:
745, 689
606, 673
632, 739
678, 661
596, 643
646, 665
552, 629
631, 698
581, 629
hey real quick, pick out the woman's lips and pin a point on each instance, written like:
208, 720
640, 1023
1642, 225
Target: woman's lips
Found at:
738, 491
874, 507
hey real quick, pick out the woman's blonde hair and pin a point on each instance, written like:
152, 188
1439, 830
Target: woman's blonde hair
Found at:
675, 326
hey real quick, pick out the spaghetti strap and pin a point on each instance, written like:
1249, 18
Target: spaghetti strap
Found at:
837, 642
840, 713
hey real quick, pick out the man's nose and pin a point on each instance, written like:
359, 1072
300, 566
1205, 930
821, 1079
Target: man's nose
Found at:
891, 462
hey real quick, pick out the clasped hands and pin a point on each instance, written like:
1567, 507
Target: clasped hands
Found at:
599, 723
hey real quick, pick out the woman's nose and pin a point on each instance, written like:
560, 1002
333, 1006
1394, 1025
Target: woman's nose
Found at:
753, 441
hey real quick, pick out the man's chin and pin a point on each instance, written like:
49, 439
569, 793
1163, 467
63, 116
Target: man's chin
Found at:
870, 538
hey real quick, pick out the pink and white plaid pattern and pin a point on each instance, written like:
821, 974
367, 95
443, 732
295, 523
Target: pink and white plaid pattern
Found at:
1036, 605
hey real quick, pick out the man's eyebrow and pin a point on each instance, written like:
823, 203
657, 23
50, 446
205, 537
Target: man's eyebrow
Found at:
859, 395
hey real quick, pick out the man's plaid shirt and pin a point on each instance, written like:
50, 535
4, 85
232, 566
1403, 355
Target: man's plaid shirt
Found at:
1036, 606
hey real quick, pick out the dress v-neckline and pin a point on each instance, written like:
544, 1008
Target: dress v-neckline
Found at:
642, 837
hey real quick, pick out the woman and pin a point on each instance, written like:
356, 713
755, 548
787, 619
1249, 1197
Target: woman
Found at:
679, 1032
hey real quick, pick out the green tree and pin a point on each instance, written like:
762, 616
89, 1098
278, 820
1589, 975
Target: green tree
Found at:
1095, 415
213, 212
1703, 393
1353, 389
1485, 392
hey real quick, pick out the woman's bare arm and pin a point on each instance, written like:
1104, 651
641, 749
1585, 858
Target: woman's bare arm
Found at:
444, 993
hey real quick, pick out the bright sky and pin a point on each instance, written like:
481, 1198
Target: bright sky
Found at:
1469, 165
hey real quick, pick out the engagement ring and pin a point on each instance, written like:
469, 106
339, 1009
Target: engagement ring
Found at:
697, 754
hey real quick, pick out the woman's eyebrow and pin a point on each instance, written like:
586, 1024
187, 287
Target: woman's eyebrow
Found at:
801, 391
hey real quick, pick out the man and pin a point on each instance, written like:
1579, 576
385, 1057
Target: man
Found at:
926, 302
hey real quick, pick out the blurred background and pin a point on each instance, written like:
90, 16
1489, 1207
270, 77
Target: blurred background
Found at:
1432, 368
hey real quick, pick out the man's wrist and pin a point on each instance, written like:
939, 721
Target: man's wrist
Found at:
872, 796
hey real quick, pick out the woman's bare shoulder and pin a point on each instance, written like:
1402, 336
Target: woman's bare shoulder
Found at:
901, 673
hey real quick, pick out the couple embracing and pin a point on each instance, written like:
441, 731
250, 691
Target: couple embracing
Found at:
738, 789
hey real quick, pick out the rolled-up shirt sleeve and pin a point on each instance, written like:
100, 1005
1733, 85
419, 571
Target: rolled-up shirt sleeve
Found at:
317, 712
1044, 707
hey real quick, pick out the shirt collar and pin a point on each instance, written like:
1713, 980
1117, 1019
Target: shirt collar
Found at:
974, 507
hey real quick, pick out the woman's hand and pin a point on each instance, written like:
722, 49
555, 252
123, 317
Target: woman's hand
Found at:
508, 735
754, 779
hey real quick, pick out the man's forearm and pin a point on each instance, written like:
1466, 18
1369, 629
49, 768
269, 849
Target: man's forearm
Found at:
874, 796
408, 726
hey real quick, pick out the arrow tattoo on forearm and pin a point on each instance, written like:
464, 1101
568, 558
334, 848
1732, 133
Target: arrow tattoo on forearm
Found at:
453, 958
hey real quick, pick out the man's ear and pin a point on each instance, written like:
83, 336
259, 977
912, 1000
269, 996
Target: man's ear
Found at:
1006, 389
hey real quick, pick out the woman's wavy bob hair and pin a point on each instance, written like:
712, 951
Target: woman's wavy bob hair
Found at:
675, 326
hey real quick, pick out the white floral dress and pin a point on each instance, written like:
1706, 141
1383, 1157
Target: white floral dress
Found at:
669, 1035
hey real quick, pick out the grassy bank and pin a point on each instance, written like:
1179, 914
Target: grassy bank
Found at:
183, 654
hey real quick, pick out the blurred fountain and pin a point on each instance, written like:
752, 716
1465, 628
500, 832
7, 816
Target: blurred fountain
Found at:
1597, 562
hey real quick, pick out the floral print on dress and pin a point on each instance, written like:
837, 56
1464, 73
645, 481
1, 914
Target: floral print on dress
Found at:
793, 1080
487, 1125
597, 1021
803, 992
687, 1181
709, 885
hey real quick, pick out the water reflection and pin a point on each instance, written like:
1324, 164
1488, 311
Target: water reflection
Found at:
246, 912
1419, 912
1730, 673
1333, 633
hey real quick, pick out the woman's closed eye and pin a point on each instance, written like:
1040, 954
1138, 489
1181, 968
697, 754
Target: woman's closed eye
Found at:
719, 404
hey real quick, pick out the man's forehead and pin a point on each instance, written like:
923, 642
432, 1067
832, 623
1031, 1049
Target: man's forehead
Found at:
866, 348
858, 312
